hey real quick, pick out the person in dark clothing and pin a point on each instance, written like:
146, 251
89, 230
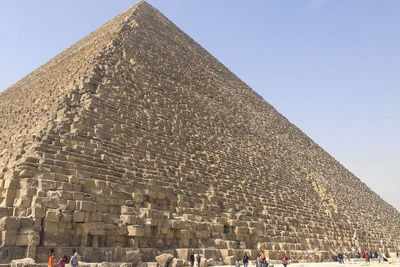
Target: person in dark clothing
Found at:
245, 260
192, 259
198, 259
340, 258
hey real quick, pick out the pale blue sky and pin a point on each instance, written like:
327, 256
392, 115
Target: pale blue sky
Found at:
331, 67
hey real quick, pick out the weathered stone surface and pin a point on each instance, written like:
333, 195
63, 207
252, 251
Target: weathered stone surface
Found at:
135, 230
22, 262
9, 223
164, 258
52, 215
135, 140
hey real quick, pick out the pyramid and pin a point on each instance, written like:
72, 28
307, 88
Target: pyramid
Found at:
136, 141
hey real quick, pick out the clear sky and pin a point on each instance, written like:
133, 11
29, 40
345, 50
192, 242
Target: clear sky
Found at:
331, 67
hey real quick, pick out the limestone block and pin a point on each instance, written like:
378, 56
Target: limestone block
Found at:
53, 215
125, 210
51, 227
79, 216
177, 262
27, 238
65, 217
217, 227
86, 205
202, 234
129, 219
6, 211
178, 224
97, 216
70, 205
183, 234
9, 223
11, 184
229, 260
162, 195
241, 230
133, 256
203, 262
164, 258
135, 230
23, 202
37, 225
22, 262
97, 232
8, 238
26, 223
182, 253
26, 174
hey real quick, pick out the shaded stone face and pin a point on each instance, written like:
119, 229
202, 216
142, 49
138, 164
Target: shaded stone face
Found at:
136, 140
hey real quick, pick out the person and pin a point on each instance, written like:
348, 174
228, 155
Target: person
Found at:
52, 258
284, 259
258, 260
245, 260
74, 260
262, 259
63, 261
366, 257
198, 259
340, 258
192, 259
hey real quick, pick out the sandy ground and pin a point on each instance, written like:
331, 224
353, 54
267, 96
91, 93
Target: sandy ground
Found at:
334, 264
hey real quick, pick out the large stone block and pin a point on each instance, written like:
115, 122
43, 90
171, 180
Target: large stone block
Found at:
164, 258
133, 255
53, 215
8, 238
79, 216
27, 238
9, 223
27, 262
135, 230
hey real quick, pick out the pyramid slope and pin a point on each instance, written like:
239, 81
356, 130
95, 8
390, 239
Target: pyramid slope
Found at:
158, 146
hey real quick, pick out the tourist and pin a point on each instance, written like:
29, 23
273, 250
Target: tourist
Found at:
63, 261
263, 259
245, 260
192, 259
74, 260
198, 259
284, 259
340, 258
258, 260
52, 258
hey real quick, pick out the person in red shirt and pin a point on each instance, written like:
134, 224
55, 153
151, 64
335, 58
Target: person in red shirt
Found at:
284, 259
52, 258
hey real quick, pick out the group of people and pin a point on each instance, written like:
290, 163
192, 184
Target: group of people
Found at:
64, 260
368, 255
192, 258
262, 260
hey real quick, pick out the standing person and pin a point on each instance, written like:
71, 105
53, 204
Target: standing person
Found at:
258, 260
245, 260
192, 259
74, 260
52, 258
198, 259
262, 259
63, 261
284, 259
